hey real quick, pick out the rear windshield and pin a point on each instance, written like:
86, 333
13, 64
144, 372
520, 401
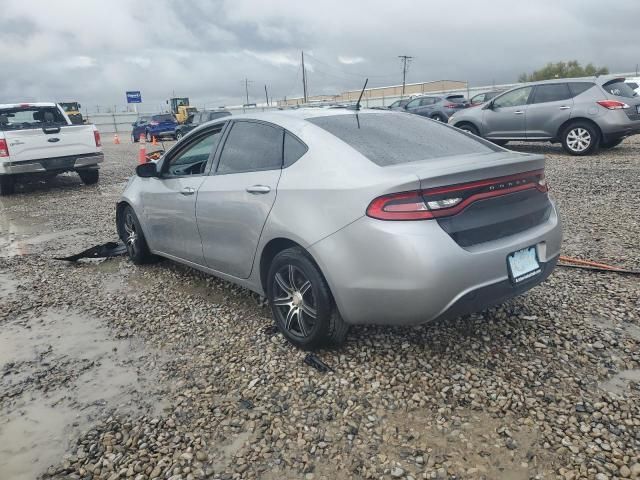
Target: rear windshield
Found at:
163, 118
456, 98
619, 88
27, 118
395, 138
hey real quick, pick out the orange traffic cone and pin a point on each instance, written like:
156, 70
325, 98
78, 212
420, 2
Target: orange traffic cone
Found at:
116, 139
142, 154
153, 142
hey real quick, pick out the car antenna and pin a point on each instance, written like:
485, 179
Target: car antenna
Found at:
357, 105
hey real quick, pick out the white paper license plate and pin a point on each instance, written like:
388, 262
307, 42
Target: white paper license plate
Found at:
523, 264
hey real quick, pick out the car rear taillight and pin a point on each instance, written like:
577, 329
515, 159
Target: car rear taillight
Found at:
4, 149
450, 200
96, 136
612, 104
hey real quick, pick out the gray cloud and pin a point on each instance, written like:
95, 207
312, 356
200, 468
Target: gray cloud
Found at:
94, 51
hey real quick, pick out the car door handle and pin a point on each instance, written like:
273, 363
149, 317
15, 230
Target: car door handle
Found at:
519, 112
188, 191
258, 189
565, 107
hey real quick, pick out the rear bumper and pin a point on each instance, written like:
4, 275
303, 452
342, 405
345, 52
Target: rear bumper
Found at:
55, 164
409, 273
617, 124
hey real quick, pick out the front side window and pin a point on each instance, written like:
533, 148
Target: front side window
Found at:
513, 98
395, 104
251, 146
193, 159
428, 101
414, 103
552, 92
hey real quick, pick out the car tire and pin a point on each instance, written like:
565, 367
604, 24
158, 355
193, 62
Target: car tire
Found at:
439, 118
301, 302
179, 135
132, 236
89, 177
611, 143
467, 127
7, 185
580, 138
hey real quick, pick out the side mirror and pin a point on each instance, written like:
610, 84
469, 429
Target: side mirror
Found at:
79, 106
147, 170
488, 106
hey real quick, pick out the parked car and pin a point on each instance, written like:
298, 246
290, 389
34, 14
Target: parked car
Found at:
160, 125
634, 83
437, 107
198, 118
581, 113
344, 217
484, 97
38, 139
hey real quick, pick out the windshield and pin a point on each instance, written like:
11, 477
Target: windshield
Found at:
26, 118
394, 138
70, 106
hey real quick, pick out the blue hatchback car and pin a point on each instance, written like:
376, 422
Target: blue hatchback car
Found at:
160, 125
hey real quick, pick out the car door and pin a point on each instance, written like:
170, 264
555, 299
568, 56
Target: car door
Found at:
235, 200
169, 201
550, 106
427, 106
504, 117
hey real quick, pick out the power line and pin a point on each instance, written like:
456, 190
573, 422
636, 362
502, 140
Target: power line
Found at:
406, 59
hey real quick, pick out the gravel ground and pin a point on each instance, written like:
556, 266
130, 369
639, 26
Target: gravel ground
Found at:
115, 371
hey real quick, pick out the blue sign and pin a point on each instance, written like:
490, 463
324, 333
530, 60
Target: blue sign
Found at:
134, 97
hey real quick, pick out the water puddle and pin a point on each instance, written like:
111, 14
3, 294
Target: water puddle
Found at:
60, 373
620, 382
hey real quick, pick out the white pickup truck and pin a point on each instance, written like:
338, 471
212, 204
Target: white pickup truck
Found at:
39, 139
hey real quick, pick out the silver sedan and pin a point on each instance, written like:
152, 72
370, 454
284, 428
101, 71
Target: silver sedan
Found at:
344, 217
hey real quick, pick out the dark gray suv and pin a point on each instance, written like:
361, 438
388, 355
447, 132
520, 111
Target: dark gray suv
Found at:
581, 113
436, 107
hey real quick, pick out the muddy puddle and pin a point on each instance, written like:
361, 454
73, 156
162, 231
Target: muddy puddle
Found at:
28, 235
60, 373
8, 285
621, 382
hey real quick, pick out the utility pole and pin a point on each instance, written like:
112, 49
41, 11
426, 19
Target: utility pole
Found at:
405, 62
266, 95
246, 89
304, 80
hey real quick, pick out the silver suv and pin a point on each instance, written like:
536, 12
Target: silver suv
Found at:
584, 114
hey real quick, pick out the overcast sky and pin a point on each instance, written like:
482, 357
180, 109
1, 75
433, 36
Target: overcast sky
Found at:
93, 51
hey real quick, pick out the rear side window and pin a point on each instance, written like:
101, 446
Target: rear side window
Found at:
391, 139
293, 149
251, 146
28, 118
579, 87
552, 92
618, 88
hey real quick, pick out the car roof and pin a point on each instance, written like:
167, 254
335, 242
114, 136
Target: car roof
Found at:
600, 80
29, 104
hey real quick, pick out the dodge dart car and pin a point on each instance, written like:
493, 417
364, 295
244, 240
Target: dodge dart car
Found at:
343, 217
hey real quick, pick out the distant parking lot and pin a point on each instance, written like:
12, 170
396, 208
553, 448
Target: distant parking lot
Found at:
118, 371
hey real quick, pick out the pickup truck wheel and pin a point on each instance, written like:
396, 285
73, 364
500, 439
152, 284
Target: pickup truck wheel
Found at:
132, 236
7, 185
89, 177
